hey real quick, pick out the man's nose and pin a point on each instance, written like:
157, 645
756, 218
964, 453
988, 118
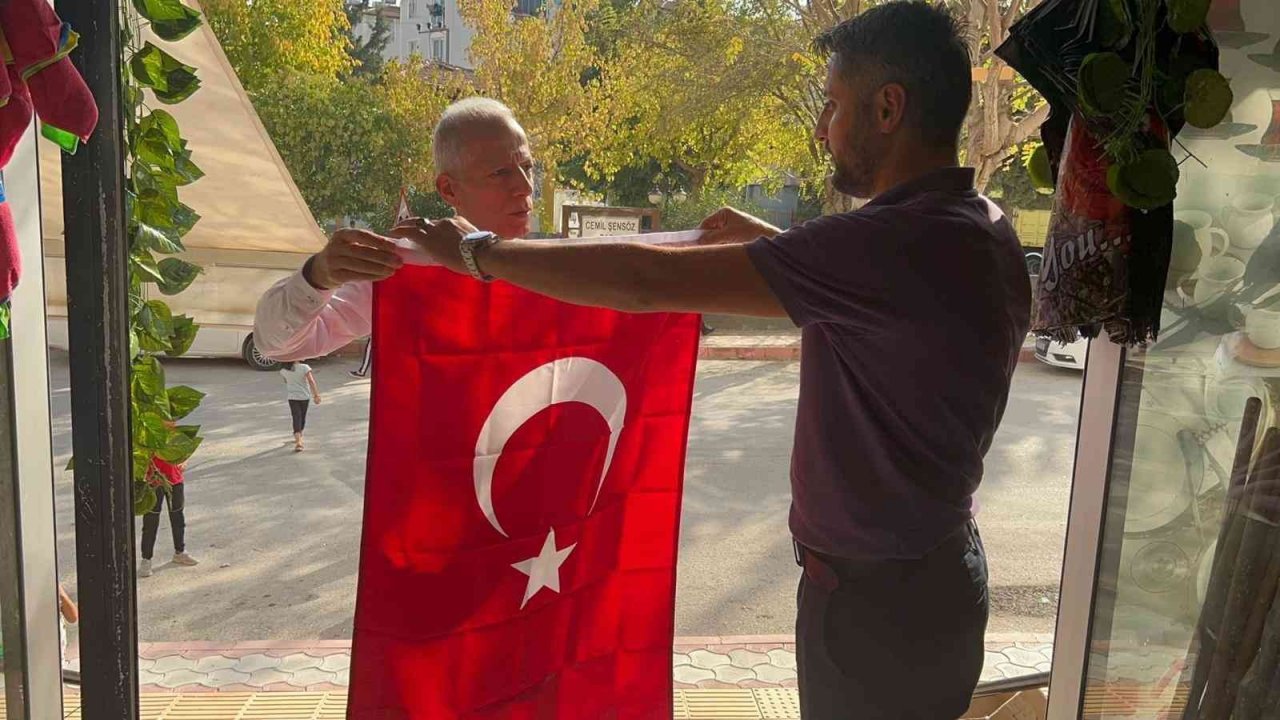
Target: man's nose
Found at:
523, 185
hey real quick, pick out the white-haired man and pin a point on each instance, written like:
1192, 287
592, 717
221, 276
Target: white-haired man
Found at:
483, 165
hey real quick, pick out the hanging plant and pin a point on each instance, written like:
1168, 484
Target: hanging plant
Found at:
1139, 76
157, 163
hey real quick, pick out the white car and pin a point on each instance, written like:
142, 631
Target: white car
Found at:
1064, 355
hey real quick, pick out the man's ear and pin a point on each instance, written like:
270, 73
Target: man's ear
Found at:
448, 191
890, 107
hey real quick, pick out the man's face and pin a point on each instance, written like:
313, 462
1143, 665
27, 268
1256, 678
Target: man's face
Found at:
847, 129
494, 187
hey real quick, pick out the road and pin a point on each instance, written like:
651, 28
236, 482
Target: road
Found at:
277, 533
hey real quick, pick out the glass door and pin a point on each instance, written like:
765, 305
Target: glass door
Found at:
1184, 618
30, 647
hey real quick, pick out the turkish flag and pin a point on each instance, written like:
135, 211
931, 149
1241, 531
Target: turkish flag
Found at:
522, 505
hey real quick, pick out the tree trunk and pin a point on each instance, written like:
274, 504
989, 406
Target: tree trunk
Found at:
547, 215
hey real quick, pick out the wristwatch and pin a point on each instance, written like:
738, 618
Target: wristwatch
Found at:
467, 247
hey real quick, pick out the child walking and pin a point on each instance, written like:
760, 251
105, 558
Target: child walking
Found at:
300, 389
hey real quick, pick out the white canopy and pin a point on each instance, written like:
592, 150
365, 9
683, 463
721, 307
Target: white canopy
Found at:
247, 200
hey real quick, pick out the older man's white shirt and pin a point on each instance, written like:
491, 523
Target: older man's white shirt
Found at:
295, 321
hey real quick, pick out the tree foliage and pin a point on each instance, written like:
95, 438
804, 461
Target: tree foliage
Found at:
366, 52
618, 96
1006, 111
540, 66
351, 130
264, 39
681, 86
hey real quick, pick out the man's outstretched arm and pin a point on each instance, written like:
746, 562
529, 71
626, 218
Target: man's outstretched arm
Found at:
637, 278
630, 277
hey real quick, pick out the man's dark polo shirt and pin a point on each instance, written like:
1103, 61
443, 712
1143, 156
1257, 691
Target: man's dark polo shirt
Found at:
913, 310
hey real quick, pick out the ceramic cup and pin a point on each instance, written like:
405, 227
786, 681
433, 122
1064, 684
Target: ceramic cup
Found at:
1249, 221
1213, 241
1217, 275
1263, 327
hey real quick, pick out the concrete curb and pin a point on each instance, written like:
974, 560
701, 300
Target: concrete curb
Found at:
773, 353
790, 353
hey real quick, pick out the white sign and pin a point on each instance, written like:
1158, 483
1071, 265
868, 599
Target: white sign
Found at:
604, 225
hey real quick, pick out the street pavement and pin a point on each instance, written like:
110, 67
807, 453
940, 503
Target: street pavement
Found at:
277, 533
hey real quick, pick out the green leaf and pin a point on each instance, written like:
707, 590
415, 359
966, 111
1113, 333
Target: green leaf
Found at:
141, 462
156, 319
176, 275
172, 30
1187, 15
145, 266
135, 345
1114, 26
148, 237
148, 377
170, 79
1209, 98
191, 431
183, 400
1039, 169
184, 333
1104, 83
160, 121
184, 218
1147, 183
185, 169
179, 448
151, 430
144, 498
152, 148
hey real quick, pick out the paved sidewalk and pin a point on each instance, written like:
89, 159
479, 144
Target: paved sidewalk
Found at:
749, 661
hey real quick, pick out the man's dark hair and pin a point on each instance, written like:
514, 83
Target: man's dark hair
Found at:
918, 46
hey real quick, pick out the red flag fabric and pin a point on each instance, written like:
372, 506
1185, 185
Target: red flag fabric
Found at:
522, 505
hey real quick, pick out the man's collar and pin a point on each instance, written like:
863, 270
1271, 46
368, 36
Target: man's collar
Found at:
947, 179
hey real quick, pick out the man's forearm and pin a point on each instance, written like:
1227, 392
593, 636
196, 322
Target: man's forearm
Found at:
636, 277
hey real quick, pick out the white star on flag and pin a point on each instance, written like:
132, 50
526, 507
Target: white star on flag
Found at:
544, 570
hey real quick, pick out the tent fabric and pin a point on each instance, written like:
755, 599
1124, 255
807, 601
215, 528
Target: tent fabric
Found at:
247, 199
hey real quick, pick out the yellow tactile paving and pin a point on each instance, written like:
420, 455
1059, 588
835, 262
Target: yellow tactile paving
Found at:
727, 704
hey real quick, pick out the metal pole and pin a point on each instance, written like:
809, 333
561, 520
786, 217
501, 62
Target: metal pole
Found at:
97, 323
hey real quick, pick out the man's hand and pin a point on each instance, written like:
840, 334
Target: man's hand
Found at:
352, 255
440, 238
728, 226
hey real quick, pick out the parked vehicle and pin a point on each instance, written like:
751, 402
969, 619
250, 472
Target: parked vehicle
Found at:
1063, 355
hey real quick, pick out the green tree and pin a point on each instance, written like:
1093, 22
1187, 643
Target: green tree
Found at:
266, 38
367, 53
541, 67
1006, 112
351, 129
680, 87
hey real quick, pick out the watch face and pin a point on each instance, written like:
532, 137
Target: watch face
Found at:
478, 235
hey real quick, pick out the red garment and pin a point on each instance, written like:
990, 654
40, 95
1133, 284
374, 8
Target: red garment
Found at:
15, 113
522, 505
39, 43
172, 472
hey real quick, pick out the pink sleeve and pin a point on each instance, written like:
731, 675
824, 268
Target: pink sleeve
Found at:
295, 321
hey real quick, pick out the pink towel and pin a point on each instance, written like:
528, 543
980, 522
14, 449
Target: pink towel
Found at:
39, 43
